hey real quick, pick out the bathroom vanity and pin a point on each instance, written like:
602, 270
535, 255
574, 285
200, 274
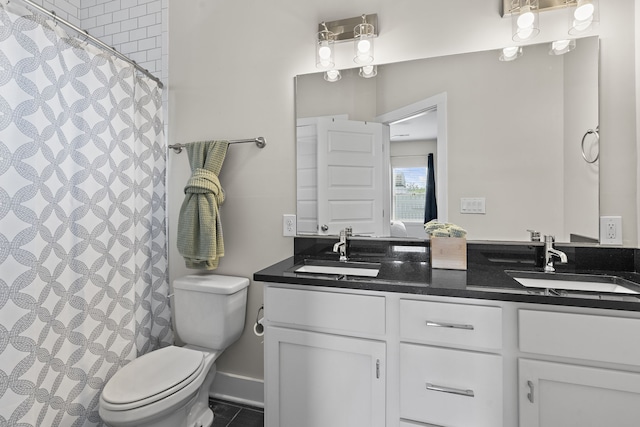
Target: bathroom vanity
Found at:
420, 347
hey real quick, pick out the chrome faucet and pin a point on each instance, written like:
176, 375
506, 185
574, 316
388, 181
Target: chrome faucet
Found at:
550, 252
342, 247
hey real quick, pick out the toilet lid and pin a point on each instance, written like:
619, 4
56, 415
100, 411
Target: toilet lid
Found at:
153, 374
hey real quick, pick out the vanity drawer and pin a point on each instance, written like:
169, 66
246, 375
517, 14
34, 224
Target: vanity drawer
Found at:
580, 336
450, 387
465, 325
334, 311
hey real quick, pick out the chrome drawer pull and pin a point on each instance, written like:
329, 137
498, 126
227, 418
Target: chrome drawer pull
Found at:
443, 389
449, 325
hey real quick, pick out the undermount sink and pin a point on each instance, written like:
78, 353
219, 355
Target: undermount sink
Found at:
341, 268
575, 282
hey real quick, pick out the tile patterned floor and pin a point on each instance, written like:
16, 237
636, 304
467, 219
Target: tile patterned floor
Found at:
227, 414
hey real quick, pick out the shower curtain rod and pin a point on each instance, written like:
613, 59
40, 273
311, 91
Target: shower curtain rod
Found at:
93, 39
260, 142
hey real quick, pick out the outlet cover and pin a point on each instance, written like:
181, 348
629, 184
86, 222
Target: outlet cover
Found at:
289, 225
611, 230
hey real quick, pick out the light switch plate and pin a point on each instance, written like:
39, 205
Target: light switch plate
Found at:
472, 205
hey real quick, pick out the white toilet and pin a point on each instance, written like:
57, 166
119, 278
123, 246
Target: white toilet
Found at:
169, 387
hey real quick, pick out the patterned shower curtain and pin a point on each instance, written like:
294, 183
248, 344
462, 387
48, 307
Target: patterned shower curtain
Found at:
83, 249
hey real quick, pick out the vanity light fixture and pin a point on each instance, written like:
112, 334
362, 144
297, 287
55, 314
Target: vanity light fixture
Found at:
362, 30
368, 71
332, 75
560, 47
524, 19
584, 15
510, 53
324, 48
363, 34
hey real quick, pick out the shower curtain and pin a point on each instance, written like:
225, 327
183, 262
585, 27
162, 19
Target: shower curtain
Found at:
83, 250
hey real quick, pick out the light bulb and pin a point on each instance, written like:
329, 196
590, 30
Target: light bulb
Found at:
584, 11
332, 76
525, 33
368, 71
510, 52
364, 46
324, 52
526, 17
582, 25
559, 45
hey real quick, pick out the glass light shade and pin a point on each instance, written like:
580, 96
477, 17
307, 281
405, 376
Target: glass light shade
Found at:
560, 47
510, 53
524, 20
368, 71
324, 50
583, 16
332, 75
363, 43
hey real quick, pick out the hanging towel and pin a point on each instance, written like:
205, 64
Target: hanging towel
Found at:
199, 228
430, 206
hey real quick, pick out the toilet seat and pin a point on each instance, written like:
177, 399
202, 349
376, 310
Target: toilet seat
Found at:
139, 383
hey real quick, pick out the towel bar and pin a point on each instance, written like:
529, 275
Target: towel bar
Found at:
260, 142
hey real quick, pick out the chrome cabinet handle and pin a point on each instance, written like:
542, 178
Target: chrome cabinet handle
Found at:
530, 394
443, 389
324, 227
449, 325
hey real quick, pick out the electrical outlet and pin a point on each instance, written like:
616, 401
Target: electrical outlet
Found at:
288, 225
611, 230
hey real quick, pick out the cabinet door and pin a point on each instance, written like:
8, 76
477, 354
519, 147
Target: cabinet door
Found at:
562, 395
314, 379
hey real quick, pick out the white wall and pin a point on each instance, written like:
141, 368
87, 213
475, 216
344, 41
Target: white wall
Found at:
232, 66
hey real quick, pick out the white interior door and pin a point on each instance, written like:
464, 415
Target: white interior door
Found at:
352, 178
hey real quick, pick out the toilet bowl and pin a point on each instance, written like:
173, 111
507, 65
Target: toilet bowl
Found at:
169, 387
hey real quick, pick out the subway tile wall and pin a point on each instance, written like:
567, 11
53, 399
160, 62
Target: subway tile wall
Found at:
136, 28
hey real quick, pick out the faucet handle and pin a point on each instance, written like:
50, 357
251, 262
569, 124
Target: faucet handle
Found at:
348, 231
535, 235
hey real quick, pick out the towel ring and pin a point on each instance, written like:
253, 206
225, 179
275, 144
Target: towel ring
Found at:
595, 132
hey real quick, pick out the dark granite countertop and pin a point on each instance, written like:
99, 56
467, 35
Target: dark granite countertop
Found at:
405, 268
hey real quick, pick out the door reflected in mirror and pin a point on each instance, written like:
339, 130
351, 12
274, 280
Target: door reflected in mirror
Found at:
507, 134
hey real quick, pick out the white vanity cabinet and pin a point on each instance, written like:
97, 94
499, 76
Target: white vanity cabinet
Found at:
338, 357
345, 357
589, 377
322, 367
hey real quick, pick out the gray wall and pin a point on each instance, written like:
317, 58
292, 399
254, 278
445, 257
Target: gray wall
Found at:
231, 70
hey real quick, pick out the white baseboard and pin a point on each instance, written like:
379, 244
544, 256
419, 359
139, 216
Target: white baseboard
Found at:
238, 389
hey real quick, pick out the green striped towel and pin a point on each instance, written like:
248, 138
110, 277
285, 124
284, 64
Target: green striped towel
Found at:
200, 239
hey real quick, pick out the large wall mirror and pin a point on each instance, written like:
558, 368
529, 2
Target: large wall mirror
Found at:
514, 146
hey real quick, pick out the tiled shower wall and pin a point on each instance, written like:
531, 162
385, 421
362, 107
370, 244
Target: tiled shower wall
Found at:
136, 28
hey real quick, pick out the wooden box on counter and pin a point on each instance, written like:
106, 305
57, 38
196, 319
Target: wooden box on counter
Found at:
449, 253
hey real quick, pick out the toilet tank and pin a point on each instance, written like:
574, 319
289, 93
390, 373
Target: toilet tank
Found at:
210, 309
